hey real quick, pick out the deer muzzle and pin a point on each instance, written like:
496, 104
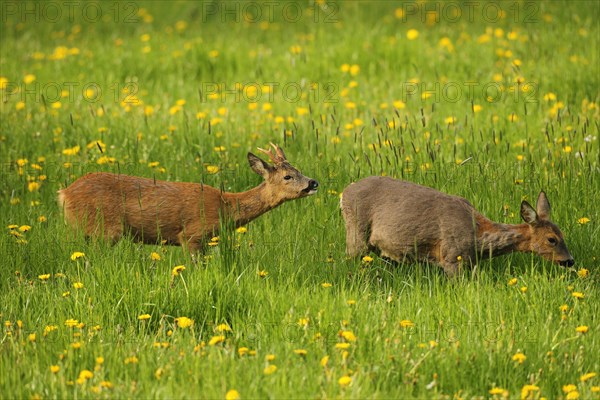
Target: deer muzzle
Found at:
567, 263
312, 187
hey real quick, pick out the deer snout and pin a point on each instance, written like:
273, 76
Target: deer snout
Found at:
567, 263
312, 187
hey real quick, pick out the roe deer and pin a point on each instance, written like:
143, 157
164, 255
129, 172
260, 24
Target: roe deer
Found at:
182, 213
403, 220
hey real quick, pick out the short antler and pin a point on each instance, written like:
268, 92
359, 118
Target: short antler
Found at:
278, 157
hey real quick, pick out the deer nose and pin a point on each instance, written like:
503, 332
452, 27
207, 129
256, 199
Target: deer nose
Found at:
567, 263
312, 184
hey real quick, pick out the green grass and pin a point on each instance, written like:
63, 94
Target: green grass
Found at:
458, 337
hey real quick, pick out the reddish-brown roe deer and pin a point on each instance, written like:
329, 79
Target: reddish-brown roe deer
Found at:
406, 221
179, 213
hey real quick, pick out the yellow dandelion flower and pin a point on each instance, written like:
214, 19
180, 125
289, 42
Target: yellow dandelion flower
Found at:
86, 374
582, 329
71, 323
406, 323
569, 388
519, 357
33, 186
29, 78
512, 282
223, 328
242, 351
49, 328
326, 285
144, 317
216, 340
583, 220
348, 335
578, 295
270, 369
526, 390
497, 390
212, 169
77, 255
154, 256
324, 361
412, 34
242, 229
367, 259
184, 322
588, 376
177, 270
106, 384
71, 151
342, 346
583, 273
574, 395
131, 360
301, 352
44, 277
450, 120
232, 394
78, 285
54, 369
262, 273
345, 381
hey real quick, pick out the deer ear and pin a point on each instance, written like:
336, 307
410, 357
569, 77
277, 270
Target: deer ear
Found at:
258, 165
543, 206
528, 213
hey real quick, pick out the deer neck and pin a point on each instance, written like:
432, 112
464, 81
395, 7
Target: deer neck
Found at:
243, 207
498, 239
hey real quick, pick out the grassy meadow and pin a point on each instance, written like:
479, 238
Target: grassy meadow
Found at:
492, 101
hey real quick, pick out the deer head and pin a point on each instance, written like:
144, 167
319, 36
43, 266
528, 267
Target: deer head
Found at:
546, 238
284, 182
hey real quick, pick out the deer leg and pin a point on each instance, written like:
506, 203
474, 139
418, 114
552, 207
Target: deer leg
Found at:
192, 244
356, 237
449, 260
450, 268
105, 227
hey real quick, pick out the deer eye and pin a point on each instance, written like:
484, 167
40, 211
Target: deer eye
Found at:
287, 177
552, 241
